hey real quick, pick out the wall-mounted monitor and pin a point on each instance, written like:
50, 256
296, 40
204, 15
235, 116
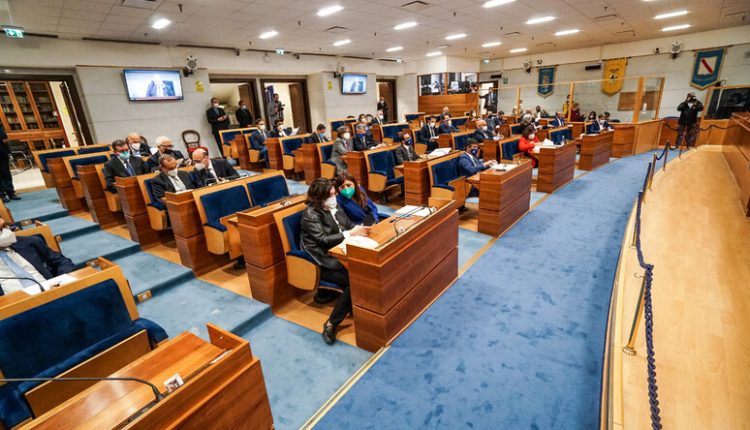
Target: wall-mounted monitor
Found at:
352, 83
153, 85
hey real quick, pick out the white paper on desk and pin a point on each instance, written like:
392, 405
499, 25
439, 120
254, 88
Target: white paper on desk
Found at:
548, 142
418, 212
295, 131
503, 167
440, 151
32, 290
360, 241
58, 281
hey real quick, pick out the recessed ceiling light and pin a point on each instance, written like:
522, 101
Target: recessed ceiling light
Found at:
671, 14
433, 54
540, 20
269, 34
161, 23
455, 36
394, 49
567, 32
342, 42
676, 27
517, 50
491, 44
330, 10
493, 3
405, 25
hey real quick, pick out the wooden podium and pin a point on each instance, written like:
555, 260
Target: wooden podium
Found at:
224, 388
556, 166
595, 150
394, 283
504, 197
64, 185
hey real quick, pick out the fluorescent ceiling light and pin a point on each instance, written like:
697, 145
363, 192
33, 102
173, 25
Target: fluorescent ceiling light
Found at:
269, 34
394, 49
342, 42
491, 44
517, 50
330, 10
455, 36
433, 54
405, 25
676, 27
567, 32
161, 23
671, 14
493, 3
540, 20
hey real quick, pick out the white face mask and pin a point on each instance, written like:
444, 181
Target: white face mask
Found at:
216, 105
199, 166
346, 135
330, 203
172, 173
7, 238
531, 136
484, 128
135, 146
243, 107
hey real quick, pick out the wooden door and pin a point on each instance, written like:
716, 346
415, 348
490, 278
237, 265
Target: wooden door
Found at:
298, 107
387, 90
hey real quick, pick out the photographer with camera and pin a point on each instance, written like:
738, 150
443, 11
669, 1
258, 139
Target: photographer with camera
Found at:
688, 122
275, 110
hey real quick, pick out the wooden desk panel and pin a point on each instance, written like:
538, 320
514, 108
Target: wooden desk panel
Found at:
576, 129
623, 140
93, 194
595, 150
311, 162
357, 166
275, 158
504, 197
556, 167
646, 136
416, 182
64, 186
134, 211
736, 151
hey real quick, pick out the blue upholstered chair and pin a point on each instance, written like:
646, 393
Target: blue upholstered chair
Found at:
459, 141
70, 325
91, 149
381, 172
44, 157
227, 136
459, 121
265, 190
327, 167
215, 203
302, 270
288, 146
419, 148
516, 129
390, 131
509, 148
157, 212
73, 163
445, 182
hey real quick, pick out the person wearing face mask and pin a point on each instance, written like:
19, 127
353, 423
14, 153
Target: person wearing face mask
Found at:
27, 257
591, 116
170, 179
320, 134
540, 113
258, 141
208, 171
165, 147
122, 165
446, 127
278, 129
527, 142
243, 116
599, 125
324, 226
362, 119
379, 118
687, 124
363, 139
341, 146
353, 199
138, 146
382, 109
469, 163
446, 111
218, 119
429, 134
559, 121
483, 132
405, 151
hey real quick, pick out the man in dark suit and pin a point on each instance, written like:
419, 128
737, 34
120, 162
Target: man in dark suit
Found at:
7, 192
165, 147
379, 119
559, 121
362, 139
218, 119
122, 165
170, 179
159, 88
258, 141
483, 132
208, 171
446, 126
320, 134
244, 118
27, 257
138, 145
383, 107
599, 125
405, 151
429, 134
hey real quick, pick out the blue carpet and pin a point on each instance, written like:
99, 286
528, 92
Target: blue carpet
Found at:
89, 246
469, 242
69, 226
38, 205
535, 197
148, 272
517, 341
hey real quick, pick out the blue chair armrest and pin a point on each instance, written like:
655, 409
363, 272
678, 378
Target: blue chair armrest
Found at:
159, 206
289, 154
330, 162
378, 172
156, 333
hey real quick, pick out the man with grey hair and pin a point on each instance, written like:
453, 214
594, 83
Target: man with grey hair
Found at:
171, 179
138, 146
341, 146
210, 171
165, 147
363, 139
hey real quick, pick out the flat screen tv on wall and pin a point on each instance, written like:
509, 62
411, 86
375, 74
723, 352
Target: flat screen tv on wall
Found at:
153, 85
352, 83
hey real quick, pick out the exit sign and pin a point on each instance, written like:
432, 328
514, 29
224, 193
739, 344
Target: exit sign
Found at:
16, 33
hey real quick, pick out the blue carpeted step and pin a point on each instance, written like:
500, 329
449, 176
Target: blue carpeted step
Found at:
147, 272
300, 370
189, 305
89, 246
38, 205
69, 227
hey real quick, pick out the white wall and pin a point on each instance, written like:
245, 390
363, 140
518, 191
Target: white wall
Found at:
406, 92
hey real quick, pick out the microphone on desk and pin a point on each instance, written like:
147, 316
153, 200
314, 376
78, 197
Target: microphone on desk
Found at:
18, 278
407, 214
153, 387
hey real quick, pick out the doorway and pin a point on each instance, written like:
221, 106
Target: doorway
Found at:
230, 91
484, 89
293, 97
387, 90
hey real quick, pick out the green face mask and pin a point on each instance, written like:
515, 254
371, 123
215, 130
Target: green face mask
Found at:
348, 192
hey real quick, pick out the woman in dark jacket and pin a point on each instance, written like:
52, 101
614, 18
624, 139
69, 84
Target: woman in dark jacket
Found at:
353, 199
324, 226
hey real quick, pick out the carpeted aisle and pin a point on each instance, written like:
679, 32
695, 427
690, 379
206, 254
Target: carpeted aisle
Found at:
517, 342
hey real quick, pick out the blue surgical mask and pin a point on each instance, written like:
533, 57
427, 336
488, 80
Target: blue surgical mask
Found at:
322, 136
124, 155
475, 151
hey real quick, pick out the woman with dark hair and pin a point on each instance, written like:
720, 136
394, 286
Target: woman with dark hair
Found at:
592, 116
527, 142
353, 199
324, 226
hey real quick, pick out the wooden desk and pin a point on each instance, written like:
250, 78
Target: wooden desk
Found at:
393, 284
577, 128
556, 166
275, 158
93, 193
595, 150
311, 162
417, 181
357, 166
134, 211
264, 253
216, 374
623, 140
646, 136
188, 234
504, 197
17, 296
64, 185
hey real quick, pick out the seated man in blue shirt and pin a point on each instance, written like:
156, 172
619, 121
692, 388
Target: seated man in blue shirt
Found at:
446, 127
599, 125
559, 121
258, 141
469, 163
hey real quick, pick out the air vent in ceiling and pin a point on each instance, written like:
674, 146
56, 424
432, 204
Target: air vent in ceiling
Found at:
415, 6
49, 36
512, 34
336, 29
141, 4
605, 17
626, 33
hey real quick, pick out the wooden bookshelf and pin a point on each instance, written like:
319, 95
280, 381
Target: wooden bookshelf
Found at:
29, 114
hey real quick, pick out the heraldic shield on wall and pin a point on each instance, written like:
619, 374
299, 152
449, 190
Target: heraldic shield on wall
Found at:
546, 85
613, 76
707, 67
